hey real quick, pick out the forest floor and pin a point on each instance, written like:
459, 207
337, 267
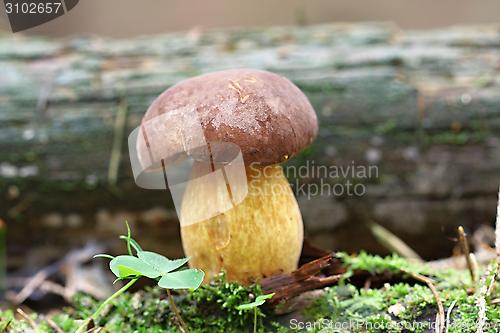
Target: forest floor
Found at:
373, 294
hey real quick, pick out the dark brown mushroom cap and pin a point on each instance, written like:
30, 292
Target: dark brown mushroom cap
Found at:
263, 113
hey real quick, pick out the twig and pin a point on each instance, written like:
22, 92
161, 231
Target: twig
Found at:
299, 287
486, 288
440, 318
116, 150
475, 265
6, 326
272, 283
393, 243
481, 301
497, 246
47, 286
32, 285
24, 204
483, 257
27, 318
497, 230
448, 315
464, 246
182, 324
54, 326
3, 259
307, 277
54, 288
79, 255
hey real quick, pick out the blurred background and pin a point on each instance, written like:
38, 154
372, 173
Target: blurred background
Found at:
416, 95
127, 18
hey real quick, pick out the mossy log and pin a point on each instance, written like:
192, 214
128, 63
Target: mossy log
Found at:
423, 106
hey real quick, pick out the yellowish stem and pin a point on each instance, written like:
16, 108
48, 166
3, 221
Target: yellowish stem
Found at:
259, 237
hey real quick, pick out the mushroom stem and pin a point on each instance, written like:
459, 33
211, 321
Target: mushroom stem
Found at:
259, 237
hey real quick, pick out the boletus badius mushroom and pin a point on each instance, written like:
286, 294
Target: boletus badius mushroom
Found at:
269, 120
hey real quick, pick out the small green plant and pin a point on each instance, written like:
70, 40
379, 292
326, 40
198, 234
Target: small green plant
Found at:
150, 265
261, 299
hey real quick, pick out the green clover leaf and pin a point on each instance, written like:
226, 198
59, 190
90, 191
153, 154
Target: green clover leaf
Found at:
258, 302
129, 266
161, 263
186, 279
151, 265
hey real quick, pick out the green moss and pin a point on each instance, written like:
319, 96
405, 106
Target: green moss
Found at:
386, 127
8, 323
397, 308
455, 138
376, 265
401, 307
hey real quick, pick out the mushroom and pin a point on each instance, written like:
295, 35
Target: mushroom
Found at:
269, 120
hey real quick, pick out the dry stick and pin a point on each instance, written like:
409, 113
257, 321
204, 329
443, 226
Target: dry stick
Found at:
393, 243
3, 259
497, 244
54, 288
46, 286
116, 150
182, 324
481, 302
288, 285
31, 286
464, 246
4, 329
27, 318
497, 237
475, 265
54, 326
24, 204
440, 318
482, 257
486, 289
497, 231
448, 315
80, 255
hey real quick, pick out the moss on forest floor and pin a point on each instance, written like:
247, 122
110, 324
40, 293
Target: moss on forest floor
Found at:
402, 306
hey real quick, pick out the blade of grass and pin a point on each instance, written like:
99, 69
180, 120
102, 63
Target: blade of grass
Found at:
118, 137
103, 255
464, 246
133, 243
129, 235
393, 242
3, 259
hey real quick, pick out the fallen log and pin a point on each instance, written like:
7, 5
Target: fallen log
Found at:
421, 106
